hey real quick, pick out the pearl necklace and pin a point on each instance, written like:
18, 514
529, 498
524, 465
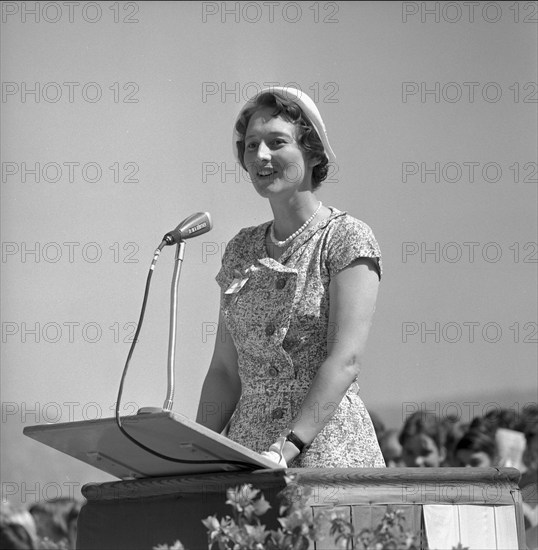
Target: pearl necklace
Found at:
282, 244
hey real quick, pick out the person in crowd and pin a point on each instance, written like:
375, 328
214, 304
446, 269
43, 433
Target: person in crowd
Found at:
528, 482
501, 417
56, 520
503, 424
379, 425
477, 447
528, 424
423, 440
17, 529
391, 448
298, 295
455, 429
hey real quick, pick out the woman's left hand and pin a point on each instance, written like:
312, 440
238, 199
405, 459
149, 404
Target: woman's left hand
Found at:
282, 451
275, 457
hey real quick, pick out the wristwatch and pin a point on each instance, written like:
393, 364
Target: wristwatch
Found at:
292, 437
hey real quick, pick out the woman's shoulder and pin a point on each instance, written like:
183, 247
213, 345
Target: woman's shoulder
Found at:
247, 235
248, 232
347, 226
240, 251
245, 241
349, 238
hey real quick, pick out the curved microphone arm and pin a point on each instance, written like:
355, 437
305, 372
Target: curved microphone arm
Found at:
169, 402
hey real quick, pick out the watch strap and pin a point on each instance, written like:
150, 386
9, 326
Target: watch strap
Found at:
292, 437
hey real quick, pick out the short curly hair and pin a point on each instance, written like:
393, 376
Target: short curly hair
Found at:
425, 423
477, 440
307, 138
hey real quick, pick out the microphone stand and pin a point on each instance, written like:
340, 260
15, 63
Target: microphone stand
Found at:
178, 260
169, 401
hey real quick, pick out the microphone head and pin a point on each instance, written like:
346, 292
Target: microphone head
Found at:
194, 225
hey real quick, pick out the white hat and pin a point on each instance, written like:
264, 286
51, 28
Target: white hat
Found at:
305, 103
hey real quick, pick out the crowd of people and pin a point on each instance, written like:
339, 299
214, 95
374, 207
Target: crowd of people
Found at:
45, 525
501, 438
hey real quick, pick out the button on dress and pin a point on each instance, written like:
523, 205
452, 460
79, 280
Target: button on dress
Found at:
279, 322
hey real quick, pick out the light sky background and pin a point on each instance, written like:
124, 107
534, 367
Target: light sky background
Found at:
190, 66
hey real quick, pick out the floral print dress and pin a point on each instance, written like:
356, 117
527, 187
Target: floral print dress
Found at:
279, 322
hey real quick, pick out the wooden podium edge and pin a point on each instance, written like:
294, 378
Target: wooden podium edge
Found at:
337, 486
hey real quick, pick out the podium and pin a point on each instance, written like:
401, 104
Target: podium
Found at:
479, 507
159, 501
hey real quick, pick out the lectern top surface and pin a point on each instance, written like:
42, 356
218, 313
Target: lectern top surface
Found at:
101, 444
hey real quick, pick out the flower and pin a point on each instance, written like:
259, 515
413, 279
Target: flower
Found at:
299, 527
176, 546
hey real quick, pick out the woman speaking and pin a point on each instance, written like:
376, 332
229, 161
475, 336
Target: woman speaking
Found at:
298, 295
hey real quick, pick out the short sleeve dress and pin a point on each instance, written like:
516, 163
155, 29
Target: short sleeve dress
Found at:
279, 322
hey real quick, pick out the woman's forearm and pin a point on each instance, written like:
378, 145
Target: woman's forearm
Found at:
320, 403
353, 294
324, 396
220, 394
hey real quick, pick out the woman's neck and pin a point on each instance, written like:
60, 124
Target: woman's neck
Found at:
289, 215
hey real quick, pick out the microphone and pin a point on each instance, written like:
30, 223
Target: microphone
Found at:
194, 225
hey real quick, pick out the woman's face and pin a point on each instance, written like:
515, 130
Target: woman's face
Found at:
421, 451
275, 162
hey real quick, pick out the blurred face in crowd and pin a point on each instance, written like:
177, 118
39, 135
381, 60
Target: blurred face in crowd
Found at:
474, 459
72, 528
530, 455
392, 450
421, 451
